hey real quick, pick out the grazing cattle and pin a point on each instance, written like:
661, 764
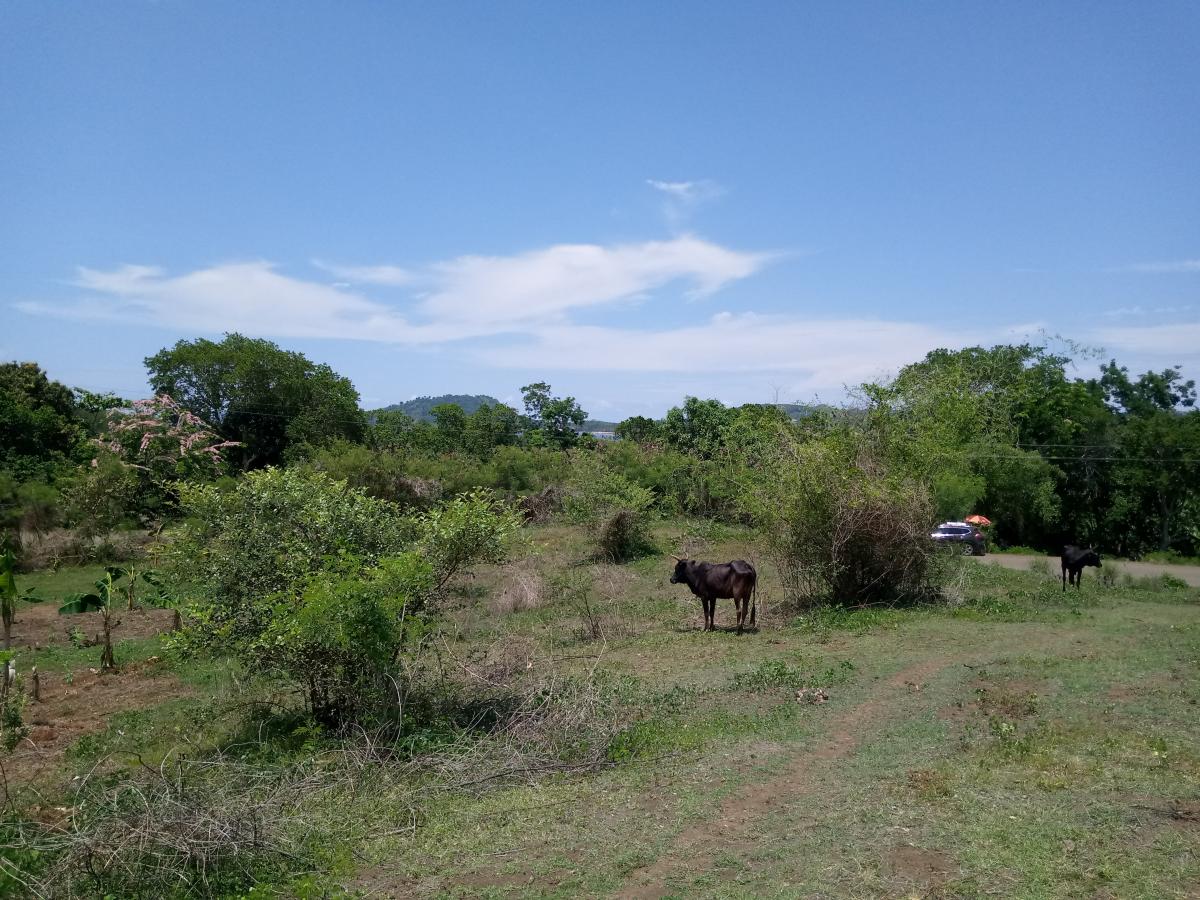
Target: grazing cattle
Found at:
719, 581
1073, 560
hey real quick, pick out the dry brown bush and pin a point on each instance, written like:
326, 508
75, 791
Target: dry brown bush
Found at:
540, 508
71, 547
612, 581
193, 827
521, 588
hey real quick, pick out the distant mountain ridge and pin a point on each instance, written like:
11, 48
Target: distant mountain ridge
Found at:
420, 408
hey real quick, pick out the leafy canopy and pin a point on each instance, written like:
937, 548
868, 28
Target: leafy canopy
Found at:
273, 402
553, 421
39, 433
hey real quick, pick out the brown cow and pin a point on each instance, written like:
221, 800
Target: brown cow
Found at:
719, 581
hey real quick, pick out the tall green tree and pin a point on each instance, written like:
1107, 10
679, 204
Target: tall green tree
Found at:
698, 427
553, 421
93, 409
1156, 470
489, 427
640, 430
40, 436
273, 402
955, 419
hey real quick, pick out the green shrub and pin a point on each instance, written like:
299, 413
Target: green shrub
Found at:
383, 474
105, 496
614, 509
471, 528
304, 577
842, 526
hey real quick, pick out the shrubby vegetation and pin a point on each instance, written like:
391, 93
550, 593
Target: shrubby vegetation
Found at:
1007, 431
321, 553
300, 575
614, 509
844, 525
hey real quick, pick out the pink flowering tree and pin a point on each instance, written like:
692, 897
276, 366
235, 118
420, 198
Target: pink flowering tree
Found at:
145, 449
161, 438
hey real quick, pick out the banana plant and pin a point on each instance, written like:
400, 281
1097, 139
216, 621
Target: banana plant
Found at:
104, 600
9, 595
132, 575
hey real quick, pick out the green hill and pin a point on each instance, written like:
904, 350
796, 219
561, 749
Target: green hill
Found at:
419, 407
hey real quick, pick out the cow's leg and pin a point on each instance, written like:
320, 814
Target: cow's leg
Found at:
709, 603
743, 607
1064, 568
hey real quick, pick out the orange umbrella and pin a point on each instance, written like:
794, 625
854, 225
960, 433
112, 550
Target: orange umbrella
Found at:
978, 520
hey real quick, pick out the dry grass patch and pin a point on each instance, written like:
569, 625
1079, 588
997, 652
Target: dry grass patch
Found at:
520, 588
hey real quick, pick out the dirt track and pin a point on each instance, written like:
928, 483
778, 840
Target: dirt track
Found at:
731, 825
1190, 574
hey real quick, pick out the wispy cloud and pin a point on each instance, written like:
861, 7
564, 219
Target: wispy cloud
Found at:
683, 197
470, 296
687, 191
1122, 312
250, 297
549, 282
825, 352
526, 305
1162, 268
1180, 340
393, 276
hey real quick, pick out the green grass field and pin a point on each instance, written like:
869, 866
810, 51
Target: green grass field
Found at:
1017, 742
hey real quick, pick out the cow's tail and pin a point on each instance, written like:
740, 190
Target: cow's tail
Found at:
753, 598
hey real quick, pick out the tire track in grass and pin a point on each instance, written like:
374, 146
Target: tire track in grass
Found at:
732, 826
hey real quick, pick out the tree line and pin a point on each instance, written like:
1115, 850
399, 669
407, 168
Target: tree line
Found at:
1010, 431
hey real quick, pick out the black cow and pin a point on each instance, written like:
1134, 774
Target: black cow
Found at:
719, 581
1073, 560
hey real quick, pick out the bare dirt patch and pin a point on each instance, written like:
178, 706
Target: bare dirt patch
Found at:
920, 866
731, 827
83, 705
1186, 812
1144, 686
40, 625
1013, 698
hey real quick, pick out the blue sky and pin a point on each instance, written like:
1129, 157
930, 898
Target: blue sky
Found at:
632, 201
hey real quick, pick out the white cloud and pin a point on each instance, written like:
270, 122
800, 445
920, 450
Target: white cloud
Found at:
250, 297
547, 283
393, 276
1160, 268
682, 198
524, 305
688, 191
1175, 340
824, 352
471, 296
1122, 312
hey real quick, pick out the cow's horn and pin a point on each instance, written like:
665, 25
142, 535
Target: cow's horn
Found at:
676, 558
